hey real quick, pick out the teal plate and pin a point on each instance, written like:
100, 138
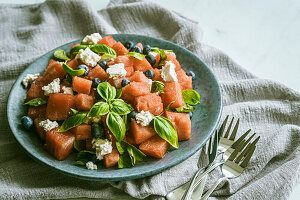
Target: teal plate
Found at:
205, 118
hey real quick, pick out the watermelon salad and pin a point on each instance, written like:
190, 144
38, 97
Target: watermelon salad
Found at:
111, 103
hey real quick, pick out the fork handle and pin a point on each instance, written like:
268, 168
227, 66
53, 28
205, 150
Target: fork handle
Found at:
213, 187
187, 195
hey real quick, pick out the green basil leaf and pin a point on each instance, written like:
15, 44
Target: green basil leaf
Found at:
121, 147
79, 145
72, 112
116, 125
107, 51
130, 154
168, 107
36, 102
118, 93
106, 91
61, 55
190, 97
83, 157
166, 130
157, 50
78, 162
120, 107
72, 122
100, 108
186, 108
77, 48
162, 59
136, 55
135, 154
157, 86
73, 72
124, 161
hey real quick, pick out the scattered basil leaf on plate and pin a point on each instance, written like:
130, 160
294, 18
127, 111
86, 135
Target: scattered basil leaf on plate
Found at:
166, 130
118, 93
120, 107
129, 153
136, 55
106, 91
61, 55
135, 154
185, 108
190, 97
116, 125
79, 145
72, 122
36, 102
83, 157
78, 162
73, 72
100, 108
157, 86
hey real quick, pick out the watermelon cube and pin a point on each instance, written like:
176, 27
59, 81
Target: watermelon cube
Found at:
128, 63
140, 45
82, 132
58, 106
116, 82
111, 159
184, 80
59, 145
53, 70
172, 57
37, 112
140, 133
107, 40
40, 130
172, 93
81, 85
182, 123
138, 77
84, 102
119, 48
157, 75
150, 102
155, 146
35, 91
137, 89
97, 72
74, 63
141, 65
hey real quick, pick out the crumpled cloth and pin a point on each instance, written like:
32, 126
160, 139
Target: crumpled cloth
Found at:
269, 108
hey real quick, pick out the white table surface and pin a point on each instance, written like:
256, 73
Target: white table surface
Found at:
262, 36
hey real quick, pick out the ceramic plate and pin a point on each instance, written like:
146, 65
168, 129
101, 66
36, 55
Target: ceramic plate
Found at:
205, 118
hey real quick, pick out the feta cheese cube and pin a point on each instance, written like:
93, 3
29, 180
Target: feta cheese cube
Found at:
168, 72
90, 165
53, 87
144, 118
102, 146
48, 125
116, 71
88, 57
29, 78
91, 39
67, 90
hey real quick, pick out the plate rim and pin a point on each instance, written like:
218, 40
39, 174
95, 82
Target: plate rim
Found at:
125, 177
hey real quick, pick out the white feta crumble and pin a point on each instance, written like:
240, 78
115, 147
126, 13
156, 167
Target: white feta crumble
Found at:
116, 71
150, 81
102, 146
67, 90
29, 78
53, 87
144, 118
90, 165
91, 39
88, 57
168, 72
48, 125
153, 53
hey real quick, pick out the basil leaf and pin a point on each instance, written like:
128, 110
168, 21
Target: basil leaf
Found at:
36, 102
72, 122
73, 72
118, 93
106, 91
166, 130
135, 154
162, 59
98, 109
168, 107
157, 50
83, 157
107, 51
120, 107
186, 108
61, 55
78, 162
77, 48
72, 112
136, 55
121, 147
116, 125
190, 97
124, 161
79, 145
130, 154
157, 86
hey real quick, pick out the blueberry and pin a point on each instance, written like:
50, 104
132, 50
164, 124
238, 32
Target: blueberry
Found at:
190, 114
26, 122
128, 44
191, 73
136, 49
85, 68
103, 64
98, 130
131, 115
151, 59
95, 82
146, 49
149, 73
125, 82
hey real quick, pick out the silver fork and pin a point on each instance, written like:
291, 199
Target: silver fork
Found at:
234, 165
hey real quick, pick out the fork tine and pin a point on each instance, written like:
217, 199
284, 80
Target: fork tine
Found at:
239, 158
237, 150
233, 134
228, 129
222, 128
236, 143
209, 144
248, 157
